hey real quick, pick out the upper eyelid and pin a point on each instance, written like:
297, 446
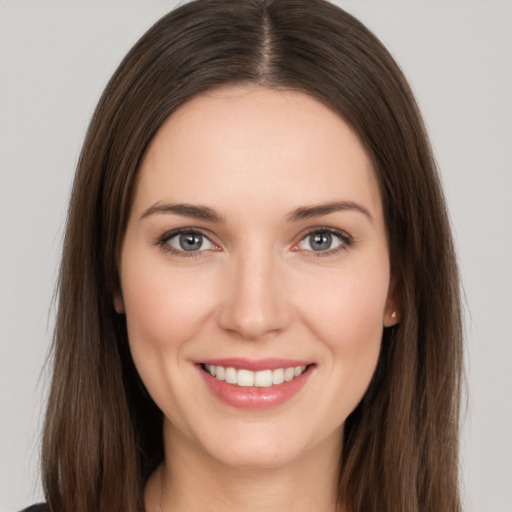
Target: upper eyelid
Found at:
325, 229
347, 241
297, 239
179, 231
163, 242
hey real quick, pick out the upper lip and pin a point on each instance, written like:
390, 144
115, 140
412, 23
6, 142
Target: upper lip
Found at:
241, 363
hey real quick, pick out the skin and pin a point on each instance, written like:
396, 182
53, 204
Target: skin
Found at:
255, 289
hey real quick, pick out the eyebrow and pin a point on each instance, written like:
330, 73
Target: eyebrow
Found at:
185, 210
301, 213
309, 212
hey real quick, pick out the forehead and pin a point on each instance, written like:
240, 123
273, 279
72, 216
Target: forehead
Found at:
269, 145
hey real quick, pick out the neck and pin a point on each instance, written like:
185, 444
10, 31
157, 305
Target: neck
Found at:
192, 481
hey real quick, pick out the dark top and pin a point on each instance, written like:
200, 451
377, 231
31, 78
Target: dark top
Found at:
41, 507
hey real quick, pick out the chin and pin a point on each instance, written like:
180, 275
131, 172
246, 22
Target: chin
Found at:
259, 447
257, 457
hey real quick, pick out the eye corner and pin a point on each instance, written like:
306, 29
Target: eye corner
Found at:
172, 242
340, 239
295, 246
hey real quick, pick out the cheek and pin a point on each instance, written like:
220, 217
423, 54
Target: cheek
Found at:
164, 307
348, 308
346, 317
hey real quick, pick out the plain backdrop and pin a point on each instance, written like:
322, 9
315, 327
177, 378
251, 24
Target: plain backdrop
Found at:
55, 59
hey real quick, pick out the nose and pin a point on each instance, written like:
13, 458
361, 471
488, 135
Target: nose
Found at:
255, 301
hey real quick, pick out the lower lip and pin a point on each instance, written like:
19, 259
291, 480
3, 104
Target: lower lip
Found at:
255, 397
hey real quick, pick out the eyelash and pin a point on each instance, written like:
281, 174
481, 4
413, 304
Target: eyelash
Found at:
163, 242
345, 239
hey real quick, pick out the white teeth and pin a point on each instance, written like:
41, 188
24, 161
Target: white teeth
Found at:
260, 379
289, 373
278, 376
245, 378
263, 379
220, 373
231, 376
298, 370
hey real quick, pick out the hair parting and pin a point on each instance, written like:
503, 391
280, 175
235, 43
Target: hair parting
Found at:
102, 435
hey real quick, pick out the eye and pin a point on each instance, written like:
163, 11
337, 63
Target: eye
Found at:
189, 241
323, 241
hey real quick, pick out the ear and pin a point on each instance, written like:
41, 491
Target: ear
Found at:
118, 303
392, 311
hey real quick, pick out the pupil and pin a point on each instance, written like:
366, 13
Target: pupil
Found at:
191, 242
320, 241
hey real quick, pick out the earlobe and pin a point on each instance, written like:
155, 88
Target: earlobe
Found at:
392, 311
391, 319
118, 304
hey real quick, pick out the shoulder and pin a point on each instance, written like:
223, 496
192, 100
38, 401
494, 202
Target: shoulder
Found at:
41, 507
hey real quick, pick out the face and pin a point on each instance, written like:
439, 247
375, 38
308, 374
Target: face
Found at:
255, 275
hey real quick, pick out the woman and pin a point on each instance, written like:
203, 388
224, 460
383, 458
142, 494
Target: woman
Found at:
258, 300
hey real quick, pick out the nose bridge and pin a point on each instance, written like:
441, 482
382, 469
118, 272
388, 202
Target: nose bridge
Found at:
255, 304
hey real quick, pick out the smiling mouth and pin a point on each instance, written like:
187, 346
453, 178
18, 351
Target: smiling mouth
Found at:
260, 379
255, 384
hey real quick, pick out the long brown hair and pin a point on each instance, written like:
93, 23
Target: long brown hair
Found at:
102, 436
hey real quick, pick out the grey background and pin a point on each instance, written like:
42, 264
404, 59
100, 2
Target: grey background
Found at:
55, 58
